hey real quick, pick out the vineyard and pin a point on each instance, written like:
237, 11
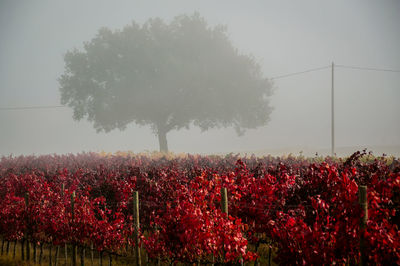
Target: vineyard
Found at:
284, 211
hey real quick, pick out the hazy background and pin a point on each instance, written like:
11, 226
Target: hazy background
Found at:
285, 37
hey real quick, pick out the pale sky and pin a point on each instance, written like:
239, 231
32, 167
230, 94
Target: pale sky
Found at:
284, 37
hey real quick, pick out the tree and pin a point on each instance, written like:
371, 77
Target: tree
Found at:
168, 76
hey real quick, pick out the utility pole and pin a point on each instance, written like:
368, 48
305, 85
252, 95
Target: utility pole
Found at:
333, 113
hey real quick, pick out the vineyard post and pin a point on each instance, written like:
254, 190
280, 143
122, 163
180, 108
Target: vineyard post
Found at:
8, 247
91, 253
362, 197
58, 247
137, 226
34, 252
74, 248
50, 255
56, 255
224, 208
22, 249
82, 256
65, 244
224, 200
2, 245
41, 253
14, 249
26, 232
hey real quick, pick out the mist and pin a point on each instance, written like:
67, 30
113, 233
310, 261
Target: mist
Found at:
284, 37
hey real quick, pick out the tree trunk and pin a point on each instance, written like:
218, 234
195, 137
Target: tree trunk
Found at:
101, 258
14, 250
8, 247
91, 253
50, 256
56, 256
41, 253
35, 252
28, 251
2, 246
82, 256
162, 139
22, 249
66, 253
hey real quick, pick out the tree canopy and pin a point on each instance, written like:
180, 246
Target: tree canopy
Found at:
166, 75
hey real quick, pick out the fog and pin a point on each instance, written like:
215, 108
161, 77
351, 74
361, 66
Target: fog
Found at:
283, 36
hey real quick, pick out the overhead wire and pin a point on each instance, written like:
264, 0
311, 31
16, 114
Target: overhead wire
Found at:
299, 73
32, 107
368, 68
272, 78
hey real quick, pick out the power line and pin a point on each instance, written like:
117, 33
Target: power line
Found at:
342, 66
301, 72
273, 78
369, 68
32, 107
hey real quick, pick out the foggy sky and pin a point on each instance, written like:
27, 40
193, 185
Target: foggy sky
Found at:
284, 37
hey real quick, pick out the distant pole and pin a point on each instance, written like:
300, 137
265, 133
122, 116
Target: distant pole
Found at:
333, 113
224, 208
28, 252
362, 199
74, 247
137, 226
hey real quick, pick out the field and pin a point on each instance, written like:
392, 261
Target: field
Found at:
280, 210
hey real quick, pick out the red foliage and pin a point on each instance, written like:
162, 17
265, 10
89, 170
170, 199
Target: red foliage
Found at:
307, 211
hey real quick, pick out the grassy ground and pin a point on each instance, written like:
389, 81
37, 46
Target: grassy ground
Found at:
11, 260
8, 259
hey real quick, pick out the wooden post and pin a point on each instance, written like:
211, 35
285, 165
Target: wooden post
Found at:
137, 226
74, 248
56, 256
28, 250
224, 200
362, 198
65, 245
2, 245
66, 252
14, 249
22, 249
41, 253
269, 255
8, 247
158, 261
50, 255
91, 253
34, 252
224, 208
83, 256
